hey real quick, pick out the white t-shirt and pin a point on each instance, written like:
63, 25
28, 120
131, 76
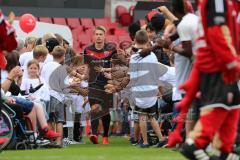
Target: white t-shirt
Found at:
48, 59
138, 90
187, 28
41, 94
47, 70
170, 77
183, 66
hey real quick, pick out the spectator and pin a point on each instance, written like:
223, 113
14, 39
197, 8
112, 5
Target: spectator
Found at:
56, 110
145, 106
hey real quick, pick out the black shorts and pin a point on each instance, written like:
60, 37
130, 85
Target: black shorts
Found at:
151, 111
97, 95
215, 93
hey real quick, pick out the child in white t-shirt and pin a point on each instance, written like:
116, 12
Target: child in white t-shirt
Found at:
144, 70
34, 86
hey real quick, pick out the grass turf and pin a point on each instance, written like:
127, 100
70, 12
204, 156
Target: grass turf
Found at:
118, 149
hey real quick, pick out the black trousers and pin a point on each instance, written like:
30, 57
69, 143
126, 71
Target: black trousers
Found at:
77, 127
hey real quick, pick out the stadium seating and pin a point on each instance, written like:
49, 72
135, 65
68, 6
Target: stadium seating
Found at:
124, 38
45, 19
102, 21
120, 10
73, 22
84, 39
89, 31
60, 21
112, 38
120, 31
125, 19
82, 29
87, 23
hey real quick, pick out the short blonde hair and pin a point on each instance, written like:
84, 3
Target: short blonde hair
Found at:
101, 28
39, 50
58, 52
30, 40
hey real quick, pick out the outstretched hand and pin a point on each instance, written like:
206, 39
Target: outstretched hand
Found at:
99, 69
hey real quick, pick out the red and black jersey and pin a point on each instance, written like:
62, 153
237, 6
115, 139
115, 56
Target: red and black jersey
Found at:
217, 44
94, 57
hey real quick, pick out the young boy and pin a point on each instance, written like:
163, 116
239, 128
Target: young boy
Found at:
40, 53
143, 69
56, 110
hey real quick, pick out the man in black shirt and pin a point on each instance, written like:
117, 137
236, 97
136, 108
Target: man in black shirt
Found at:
99, 54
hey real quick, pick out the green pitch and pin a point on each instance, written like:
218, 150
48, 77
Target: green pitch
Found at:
118, 149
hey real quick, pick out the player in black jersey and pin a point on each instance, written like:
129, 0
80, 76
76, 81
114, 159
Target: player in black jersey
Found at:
99, 54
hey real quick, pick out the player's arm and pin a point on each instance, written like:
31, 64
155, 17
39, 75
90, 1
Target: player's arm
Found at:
167, 13
184, 50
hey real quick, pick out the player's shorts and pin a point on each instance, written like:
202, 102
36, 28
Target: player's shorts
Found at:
215, 93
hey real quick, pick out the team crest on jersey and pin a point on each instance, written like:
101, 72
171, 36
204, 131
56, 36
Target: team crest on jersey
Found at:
106, 53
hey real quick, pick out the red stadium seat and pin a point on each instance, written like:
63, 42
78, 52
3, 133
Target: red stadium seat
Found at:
45, 19
120, 10
120, 31
61, 21
84, 39
87, 23
102, 21
112, 27
125, 19
76, 32
76, 44
73, 22
112, 38
124, 38
78, 50
83, 47
89, 31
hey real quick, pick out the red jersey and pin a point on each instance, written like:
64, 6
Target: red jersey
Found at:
217, 45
